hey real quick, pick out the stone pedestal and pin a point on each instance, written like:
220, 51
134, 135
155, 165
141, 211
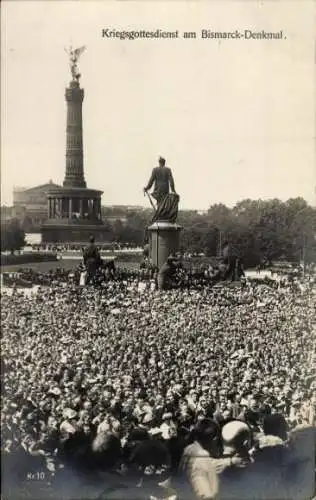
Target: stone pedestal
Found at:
164, 240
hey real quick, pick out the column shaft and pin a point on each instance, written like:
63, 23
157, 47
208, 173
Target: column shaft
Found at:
99, 208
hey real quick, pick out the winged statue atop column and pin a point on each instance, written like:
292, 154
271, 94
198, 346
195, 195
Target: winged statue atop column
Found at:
74, 55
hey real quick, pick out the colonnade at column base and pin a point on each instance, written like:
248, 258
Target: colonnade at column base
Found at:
74, 203
74, 214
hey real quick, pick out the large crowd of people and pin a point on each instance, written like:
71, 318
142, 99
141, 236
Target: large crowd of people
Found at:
126, 378
78, 247
187, 276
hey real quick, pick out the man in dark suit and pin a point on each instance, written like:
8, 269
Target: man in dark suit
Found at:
162, 178
91, 259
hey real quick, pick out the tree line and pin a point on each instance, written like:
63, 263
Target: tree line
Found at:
12, 236
258, 229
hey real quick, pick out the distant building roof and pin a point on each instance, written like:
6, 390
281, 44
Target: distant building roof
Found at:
41, 188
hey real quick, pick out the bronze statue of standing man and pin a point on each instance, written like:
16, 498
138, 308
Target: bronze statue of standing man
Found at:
167, 202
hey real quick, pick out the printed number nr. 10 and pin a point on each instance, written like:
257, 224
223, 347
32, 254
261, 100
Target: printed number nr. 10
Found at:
35, 476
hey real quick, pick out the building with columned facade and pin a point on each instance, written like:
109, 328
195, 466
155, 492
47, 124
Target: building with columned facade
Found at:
31, 203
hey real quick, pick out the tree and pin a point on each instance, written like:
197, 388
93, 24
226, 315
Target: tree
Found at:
28, 224
259, 229
12, 236
219, 214
117, 228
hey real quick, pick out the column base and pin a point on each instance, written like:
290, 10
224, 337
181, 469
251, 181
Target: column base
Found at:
164, 240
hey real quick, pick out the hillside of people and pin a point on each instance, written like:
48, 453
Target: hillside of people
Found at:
201, 385
118, 387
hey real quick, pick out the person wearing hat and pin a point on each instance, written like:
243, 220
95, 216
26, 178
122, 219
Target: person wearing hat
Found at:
69, 425
72, 439
106, 451
91, 259
168, 427
275, 425
151, 457
220, 477
197, 472
237, 439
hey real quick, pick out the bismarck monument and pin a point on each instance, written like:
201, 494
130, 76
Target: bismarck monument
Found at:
164, 232
74, 211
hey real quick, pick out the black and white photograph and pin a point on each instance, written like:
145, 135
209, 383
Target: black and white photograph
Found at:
158, 250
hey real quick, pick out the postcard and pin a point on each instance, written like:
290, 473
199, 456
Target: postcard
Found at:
158, 250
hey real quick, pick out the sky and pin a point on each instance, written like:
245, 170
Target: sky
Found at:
234, 119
